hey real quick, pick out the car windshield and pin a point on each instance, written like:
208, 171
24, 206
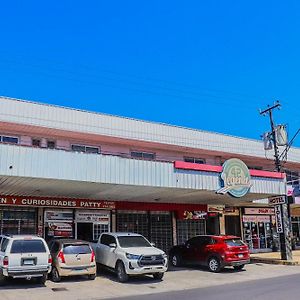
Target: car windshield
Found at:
76, 249
28, 246
133, 241
234, 242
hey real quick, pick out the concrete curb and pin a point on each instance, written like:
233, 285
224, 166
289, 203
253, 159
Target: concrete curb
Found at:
273, 261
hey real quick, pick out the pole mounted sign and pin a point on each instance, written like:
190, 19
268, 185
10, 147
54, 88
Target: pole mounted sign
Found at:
278, 218
236, 178
277, 200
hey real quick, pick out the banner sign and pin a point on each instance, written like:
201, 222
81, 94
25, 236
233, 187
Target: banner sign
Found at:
236, 178
95, 217
277, 200
259, 211
59, 203
278, 218
255, 219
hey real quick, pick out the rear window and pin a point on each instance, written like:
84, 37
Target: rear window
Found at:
77, 249
234, 242
28, 246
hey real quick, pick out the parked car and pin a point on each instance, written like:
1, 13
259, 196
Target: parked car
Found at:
130, 254
24, 256
72, 257
213, 251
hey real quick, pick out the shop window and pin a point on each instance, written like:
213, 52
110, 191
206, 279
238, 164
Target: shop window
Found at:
10, 139
85, 149
50, 144
36, 142
143, 155
194, 160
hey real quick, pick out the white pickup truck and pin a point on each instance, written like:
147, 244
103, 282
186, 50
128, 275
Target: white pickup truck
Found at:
130, 254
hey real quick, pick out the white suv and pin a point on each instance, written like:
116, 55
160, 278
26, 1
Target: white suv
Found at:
130, 254
24, 256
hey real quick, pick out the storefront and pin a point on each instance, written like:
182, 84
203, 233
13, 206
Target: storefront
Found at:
232, 221
48, 217
163, 224
259, 228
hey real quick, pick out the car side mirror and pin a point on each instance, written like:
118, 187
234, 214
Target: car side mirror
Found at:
152, 244
113, 245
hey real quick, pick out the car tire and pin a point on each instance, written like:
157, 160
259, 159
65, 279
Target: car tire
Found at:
42, 279
175, 260
55, 275
92, 276
239, 268
214, 265
158, 276
2, 278
121, 272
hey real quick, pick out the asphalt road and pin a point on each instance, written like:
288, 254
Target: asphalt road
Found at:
278, 288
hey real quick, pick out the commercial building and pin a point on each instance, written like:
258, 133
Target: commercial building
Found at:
67, 172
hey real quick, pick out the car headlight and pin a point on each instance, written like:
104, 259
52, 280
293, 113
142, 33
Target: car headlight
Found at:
132, 256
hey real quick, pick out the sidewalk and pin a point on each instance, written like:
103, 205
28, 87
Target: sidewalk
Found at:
275, 258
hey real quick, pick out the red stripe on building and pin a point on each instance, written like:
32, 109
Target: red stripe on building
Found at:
218, 169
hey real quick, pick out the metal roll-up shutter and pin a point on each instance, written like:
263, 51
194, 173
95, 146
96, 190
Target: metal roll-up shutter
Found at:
161, 230
133, 221
187, 229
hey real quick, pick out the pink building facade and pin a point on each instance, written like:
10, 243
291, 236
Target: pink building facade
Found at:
66, 172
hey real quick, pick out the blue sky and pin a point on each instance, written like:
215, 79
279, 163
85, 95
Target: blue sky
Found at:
203, 64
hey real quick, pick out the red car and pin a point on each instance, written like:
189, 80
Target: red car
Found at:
213, 251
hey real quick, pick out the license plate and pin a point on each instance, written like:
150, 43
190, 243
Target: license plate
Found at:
240, 255
28, 262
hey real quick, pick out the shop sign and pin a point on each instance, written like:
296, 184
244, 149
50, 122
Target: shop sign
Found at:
215, 208
94, 217
277, 200
278, 218
58, 216
259, 211
256, 219
59, 203
236, 178
193, 215
60, 229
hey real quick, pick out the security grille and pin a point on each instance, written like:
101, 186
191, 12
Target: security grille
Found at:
187, 229
17, 221
98, 229
132, 221
161, 230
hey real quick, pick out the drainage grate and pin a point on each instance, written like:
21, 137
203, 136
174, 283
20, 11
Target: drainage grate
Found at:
62, 289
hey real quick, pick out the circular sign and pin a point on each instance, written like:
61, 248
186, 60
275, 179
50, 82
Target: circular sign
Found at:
236, 178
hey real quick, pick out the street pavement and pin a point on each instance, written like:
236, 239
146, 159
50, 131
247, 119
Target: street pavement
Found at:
278, 288
182, 281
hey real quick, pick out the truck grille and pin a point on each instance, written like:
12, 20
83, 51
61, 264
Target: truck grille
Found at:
151, 260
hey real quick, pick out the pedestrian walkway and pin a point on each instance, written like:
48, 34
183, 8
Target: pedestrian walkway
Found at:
275, 258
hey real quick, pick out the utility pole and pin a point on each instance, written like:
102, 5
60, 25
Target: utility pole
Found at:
285, 241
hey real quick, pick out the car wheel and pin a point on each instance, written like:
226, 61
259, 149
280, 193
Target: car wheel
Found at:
175, 260
121, 272
158, 276
92, 276
239, 268
214, 265
55, 275
42, 279
2, 278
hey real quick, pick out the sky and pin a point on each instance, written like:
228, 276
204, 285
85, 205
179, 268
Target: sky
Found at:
210, 65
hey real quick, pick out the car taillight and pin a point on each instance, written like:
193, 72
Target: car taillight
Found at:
5, 261
61, 257
93, 256
49, 259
